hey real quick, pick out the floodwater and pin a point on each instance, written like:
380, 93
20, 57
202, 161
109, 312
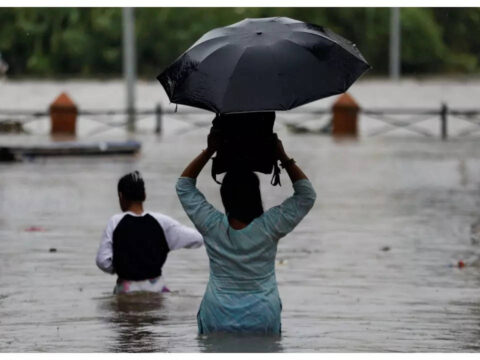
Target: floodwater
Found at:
370, 269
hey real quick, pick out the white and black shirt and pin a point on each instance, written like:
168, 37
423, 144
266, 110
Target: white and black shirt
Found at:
135, 247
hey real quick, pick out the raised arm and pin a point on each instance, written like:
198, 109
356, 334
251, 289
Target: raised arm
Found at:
198, 209
289, 164
282, 219
198, 163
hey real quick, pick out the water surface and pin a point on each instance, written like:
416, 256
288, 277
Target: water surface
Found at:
367, 270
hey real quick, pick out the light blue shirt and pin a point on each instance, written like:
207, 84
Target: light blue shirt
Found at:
242, 294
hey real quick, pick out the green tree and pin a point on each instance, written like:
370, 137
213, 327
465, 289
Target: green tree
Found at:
58, 42
423, 50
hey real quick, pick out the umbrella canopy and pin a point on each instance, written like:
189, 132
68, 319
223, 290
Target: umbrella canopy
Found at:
263, 64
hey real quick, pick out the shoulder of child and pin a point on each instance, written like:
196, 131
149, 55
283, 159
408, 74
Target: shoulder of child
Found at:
163, 219
115, 219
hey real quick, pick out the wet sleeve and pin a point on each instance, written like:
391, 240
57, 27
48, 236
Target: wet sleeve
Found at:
104, 257
178, 236
282, 219
203, 215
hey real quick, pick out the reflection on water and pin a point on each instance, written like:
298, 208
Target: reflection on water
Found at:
133, 318
225, 343
136, 319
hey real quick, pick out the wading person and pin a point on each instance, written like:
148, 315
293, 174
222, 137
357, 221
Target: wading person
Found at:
242, 295
135, 243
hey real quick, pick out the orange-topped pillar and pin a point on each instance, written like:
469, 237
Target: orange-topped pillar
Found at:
345, 117
63, 116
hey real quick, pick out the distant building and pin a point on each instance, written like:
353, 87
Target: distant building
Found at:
3, 66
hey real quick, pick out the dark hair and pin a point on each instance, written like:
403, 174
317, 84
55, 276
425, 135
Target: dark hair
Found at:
132, 187
241, 197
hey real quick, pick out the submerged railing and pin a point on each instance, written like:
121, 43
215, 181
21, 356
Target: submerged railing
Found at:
335, 120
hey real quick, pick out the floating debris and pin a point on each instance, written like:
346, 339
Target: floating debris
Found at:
385, 248
11, 126
52, 250
302, 129
459, 264
71, 148
35, 229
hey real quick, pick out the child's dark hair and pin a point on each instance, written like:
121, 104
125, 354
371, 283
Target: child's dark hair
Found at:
241, 196
132, 187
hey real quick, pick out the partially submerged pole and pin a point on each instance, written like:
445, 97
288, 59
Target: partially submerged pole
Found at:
345, 117
443, 122
158, 118
129, 63
63, 116
395, 34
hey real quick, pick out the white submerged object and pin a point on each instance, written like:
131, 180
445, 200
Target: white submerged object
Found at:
71, 148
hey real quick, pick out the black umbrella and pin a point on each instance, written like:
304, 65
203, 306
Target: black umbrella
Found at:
261, 65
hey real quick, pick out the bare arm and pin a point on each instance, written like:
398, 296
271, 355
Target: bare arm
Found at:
294, 172
198, 209
196, 165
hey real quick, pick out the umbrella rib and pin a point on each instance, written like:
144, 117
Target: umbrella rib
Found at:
309, 51
194, 46
272, 51
185, 54
306, 31
205, 42
231, 73
296, 104
215, 51
194, 70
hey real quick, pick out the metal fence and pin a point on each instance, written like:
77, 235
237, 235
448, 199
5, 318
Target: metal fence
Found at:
411, 118
391, 118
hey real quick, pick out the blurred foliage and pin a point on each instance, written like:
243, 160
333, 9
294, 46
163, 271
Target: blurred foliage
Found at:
423, 48
57, 42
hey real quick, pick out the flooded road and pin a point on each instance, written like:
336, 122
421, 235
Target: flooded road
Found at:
369, 269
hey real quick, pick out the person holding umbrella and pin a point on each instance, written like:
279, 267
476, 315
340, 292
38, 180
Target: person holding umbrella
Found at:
239, 71
242, 294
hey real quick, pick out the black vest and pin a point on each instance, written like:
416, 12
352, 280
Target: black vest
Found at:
139, 248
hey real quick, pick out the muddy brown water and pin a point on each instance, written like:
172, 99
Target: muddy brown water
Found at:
369, 269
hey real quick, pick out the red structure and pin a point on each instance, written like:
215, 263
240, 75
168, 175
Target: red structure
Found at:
63, 116
345, 117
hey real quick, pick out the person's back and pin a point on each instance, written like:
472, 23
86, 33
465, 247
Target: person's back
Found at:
249, 252
241, 294
139, 247
135, 243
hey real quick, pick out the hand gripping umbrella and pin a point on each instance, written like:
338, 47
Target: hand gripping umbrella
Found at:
265, 64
